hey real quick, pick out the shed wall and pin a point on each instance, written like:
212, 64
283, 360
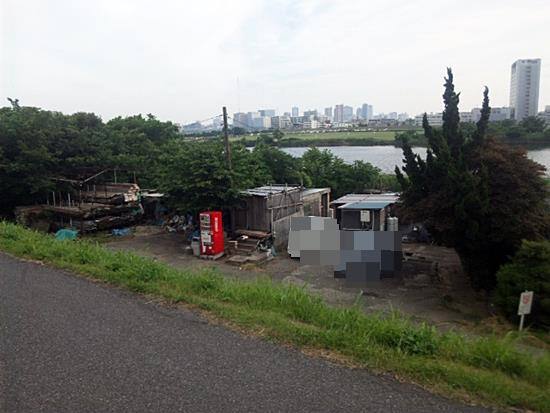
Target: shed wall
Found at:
281, 229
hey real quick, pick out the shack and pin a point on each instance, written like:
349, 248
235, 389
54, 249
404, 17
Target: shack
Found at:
316, 202
266, 211
369, 212
85, 205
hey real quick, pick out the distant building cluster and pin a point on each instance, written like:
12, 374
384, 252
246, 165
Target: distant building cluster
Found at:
339, 116
524, 96
436, 119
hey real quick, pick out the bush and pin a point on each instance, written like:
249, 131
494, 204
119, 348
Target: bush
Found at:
528, 270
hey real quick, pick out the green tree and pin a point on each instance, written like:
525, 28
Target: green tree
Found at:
327, 170
476, 195
533, 124
27, 161
529, 270
282, 167
195, 177
38, 145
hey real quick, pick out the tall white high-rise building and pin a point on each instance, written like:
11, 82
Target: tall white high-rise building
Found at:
295, 111
524, 88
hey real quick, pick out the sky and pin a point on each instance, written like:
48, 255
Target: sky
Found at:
183, 60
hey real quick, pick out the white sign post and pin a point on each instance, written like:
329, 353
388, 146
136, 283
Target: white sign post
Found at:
525, 301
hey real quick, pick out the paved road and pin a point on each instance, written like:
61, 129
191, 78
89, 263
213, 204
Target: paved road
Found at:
69, 345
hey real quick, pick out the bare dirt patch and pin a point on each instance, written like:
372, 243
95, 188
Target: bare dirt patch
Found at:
434, 290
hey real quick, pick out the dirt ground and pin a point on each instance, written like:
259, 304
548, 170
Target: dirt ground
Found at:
430, 287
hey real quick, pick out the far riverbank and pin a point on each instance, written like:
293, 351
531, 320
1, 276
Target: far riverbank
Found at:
386, 157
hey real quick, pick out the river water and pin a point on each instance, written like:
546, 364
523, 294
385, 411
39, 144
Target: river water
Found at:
387, 157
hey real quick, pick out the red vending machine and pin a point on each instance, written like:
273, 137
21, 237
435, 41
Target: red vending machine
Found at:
211, 234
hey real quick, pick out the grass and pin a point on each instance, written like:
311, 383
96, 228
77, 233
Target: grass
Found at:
352, 138
382, 135
489, 370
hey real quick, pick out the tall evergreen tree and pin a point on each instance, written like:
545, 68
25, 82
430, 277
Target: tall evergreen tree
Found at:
459, 195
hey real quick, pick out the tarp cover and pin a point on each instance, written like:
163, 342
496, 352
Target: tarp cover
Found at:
64, 234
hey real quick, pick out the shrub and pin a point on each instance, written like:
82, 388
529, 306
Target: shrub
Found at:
528, 270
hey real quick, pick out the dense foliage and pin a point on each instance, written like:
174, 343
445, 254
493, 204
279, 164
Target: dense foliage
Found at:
530, 130
327, 170
475, 194
528, 270
195, 176
38, 145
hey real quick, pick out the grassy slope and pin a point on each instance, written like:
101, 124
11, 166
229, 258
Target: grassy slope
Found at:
489, 370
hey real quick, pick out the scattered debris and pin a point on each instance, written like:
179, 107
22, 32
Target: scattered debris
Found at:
85, 205
254, 258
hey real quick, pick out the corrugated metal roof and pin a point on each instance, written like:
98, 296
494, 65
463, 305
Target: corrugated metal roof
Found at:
366, 205
311, 191
390, 198
269, 190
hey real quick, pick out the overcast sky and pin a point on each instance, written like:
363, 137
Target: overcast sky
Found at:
183, 60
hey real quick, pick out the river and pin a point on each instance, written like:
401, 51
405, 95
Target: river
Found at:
387, 157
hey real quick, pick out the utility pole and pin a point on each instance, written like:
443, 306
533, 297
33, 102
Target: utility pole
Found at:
228, 161
226, 140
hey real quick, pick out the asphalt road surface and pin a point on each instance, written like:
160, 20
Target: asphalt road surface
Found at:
70, 345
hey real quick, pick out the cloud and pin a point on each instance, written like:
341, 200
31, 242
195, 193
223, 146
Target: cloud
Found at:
181, 60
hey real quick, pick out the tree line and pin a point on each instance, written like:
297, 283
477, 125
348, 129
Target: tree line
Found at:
37, 146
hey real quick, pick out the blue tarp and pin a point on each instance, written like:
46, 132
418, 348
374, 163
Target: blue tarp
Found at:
64, 234
121, 232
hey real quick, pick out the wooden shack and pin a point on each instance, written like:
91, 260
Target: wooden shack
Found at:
316, 202
266, 211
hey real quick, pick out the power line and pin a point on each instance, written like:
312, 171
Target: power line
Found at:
242, 123
206, 120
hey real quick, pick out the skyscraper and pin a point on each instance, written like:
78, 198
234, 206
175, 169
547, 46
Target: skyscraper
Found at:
240, 120
328, 113
295, 111
313, 112
267, 112
339, 114
347, 113
366, 111
524, 88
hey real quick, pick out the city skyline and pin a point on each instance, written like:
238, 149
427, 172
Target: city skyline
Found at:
523, 102
274, 54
